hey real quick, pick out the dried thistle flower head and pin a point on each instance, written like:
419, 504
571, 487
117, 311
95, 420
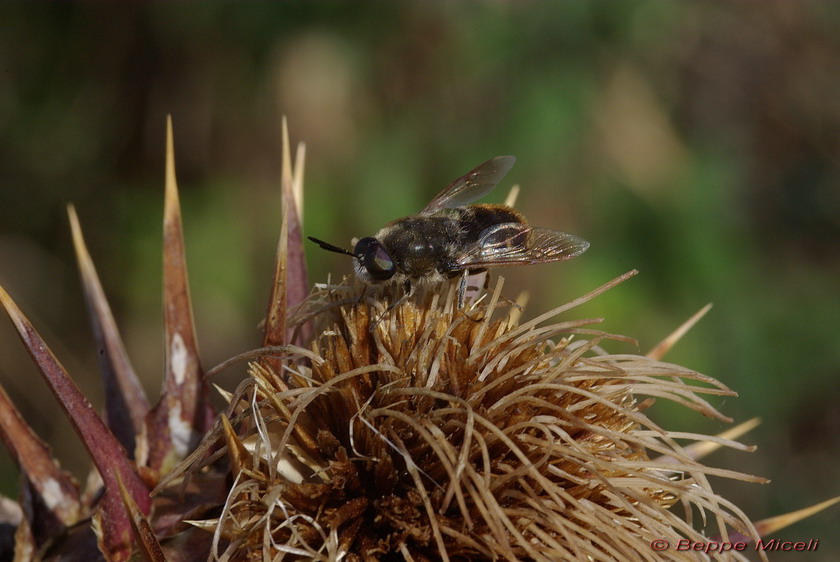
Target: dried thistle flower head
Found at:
460, 434
435, 434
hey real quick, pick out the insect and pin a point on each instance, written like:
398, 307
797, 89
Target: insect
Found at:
451, 237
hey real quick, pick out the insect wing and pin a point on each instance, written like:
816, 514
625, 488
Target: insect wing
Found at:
471, 186
514, 243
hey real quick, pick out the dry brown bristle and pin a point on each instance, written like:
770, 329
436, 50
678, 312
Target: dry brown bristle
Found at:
456, 434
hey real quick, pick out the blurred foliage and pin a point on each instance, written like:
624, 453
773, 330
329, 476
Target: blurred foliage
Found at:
697, 142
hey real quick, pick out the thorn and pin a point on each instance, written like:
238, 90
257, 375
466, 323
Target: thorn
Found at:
126, 404
659, 350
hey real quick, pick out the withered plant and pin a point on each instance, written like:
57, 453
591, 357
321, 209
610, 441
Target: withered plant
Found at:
426, 432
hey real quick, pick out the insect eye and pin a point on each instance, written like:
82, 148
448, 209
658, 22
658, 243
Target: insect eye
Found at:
375, 259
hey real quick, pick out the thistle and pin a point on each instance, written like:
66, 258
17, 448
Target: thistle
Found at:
426, 431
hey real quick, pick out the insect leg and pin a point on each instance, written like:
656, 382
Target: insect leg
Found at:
407, 291
462, 289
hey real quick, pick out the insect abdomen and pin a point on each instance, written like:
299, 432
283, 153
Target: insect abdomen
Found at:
475, 219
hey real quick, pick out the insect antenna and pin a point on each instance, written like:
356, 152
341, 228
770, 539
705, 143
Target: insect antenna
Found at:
330, 248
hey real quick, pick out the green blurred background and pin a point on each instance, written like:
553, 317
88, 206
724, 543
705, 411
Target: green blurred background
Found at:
697, 142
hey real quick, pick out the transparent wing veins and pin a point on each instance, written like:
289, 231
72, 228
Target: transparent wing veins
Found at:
519, 244
473, 185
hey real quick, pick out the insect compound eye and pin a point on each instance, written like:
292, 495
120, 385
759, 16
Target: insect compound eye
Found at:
375, 259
